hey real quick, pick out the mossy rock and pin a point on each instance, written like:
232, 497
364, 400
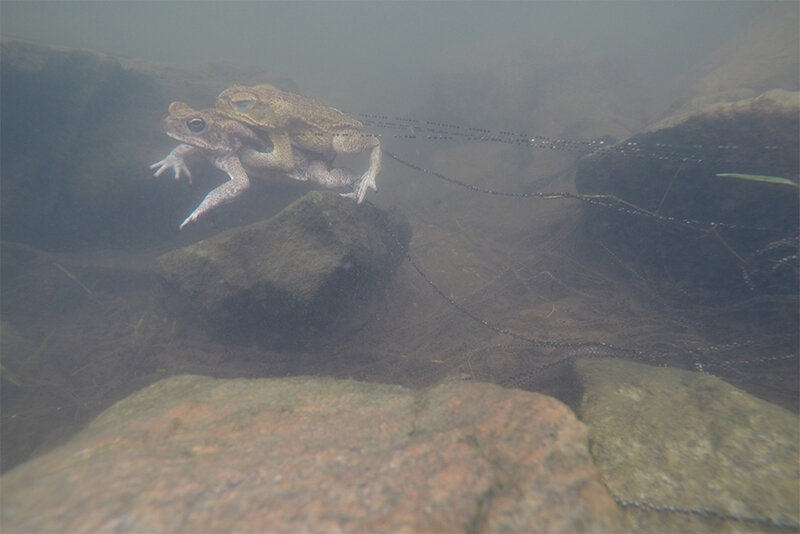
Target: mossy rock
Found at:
290, 275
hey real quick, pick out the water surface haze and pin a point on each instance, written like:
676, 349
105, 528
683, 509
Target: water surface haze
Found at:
370, 56
572, 195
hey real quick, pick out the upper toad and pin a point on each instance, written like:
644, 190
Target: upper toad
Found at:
293, 122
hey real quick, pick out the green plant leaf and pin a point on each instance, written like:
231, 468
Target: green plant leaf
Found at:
758, 178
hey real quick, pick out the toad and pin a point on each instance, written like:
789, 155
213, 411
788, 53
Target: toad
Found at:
232, 147
295, 122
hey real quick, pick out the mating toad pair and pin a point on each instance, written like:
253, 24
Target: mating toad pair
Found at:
262, 127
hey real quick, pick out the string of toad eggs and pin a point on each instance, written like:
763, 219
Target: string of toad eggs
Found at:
409, 128
415, 129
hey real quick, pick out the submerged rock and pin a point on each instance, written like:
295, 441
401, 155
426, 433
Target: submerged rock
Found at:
195, 454
80, 130
686, 173
279, 280
673, 439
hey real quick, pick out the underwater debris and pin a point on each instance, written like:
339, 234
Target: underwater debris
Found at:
73, 278
10, 376
758, 178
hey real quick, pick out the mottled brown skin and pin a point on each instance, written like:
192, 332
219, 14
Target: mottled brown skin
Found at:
209, 130
227, 143
294, 122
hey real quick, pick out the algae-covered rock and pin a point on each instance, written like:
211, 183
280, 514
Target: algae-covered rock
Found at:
196, 454
284, 277
669, 438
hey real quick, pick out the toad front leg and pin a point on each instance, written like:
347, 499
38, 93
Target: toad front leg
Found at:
354, 142
225, 193
281, 156
176, 160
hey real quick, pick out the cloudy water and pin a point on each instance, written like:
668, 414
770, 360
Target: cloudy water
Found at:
597, 201
386, 54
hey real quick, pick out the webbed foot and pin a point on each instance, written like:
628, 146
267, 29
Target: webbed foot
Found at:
366, 183
190, 219
175, 160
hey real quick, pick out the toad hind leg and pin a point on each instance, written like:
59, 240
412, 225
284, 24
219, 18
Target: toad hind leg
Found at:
225, 193
318, 171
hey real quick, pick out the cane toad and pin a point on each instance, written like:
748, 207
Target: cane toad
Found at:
228, 144
294, 122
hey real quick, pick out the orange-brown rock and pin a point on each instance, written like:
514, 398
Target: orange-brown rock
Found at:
195, 454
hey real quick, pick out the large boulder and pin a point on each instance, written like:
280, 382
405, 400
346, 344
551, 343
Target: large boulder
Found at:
689, 452
700, 212
280, 280
80, 130
196, 454
761, 57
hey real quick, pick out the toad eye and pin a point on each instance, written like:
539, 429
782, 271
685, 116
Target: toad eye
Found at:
196, 124
243, 105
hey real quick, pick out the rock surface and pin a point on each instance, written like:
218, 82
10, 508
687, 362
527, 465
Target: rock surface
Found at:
192, 454
751, 247
80, 132
761, 57
279, 279
664, 437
